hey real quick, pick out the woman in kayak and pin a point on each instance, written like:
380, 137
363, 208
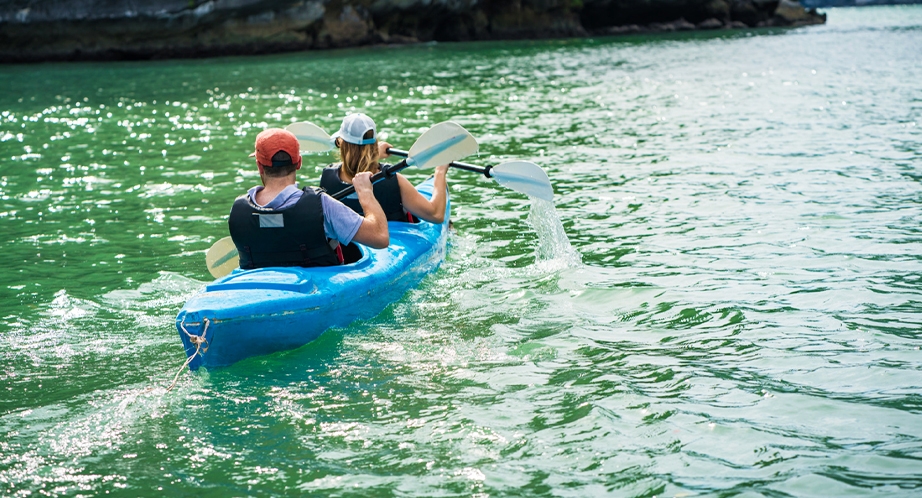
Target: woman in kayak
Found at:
360, 151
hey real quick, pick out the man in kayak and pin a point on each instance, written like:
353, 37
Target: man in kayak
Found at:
279, 224
361, 152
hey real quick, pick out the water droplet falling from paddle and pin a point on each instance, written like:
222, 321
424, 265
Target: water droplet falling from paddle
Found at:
554, 247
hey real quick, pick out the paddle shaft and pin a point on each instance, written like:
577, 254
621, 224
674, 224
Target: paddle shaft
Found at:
386, 172
464, 166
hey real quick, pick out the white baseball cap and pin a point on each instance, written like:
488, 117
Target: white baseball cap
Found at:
354, 128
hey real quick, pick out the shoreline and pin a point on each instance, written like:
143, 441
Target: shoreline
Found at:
85, 34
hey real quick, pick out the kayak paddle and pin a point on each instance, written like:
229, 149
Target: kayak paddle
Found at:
521, 176
222, 257
311, 137
441, 144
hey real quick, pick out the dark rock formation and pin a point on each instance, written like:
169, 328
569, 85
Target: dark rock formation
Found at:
813, 4
36, 30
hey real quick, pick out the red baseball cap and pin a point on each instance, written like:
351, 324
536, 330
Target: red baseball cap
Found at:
272, 141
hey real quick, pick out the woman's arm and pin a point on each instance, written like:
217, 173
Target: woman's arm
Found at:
431, 210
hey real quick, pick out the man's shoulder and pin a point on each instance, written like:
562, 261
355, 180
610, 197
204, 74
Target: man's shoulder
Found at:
334, 206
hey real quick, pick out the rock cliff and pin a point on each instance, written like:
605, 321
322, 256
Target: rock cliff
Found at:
37, 30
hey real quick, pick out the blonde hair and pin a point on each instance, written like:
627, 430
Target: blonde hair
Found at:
358, 158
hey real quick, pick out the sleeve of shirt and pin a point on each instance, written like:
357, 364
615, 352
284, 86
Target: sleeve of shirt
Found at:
340, 222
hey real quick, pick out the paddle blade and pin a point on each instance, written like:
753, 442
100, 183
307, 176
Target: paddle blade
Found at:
443, 143
525, 177
222, 258
311, 137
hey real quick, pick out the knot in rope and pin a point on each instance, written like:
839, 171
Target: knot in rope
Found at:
198, 341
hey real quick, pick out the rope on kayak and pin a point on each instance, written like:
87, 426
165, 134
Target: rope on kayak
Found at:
198, 340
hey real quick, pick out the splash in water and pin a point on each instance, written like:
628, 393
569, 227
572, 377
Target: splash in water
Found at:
554, 249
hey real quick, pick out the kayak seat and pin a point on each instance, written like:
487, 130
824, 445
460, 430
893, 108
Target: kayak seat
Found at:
351, 253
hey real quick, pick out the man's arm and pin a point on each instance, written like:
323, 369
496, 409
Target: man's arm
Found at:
373, 231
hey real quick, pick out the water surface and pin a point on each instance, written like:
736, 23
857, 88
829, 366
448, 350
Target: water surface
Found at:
724, 298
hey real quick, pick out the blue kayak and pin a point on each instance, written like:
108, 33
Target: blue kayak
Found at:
257, 312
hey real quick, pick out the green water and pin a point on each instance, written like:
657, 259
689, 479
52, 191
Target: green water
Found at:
726, 300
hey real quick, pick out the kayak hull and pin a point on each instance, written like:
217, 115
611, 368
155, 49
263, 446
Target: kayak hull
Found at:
266, 310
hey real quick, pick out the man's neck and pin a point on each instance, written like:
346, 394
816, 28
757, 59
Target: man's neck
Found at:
273, 186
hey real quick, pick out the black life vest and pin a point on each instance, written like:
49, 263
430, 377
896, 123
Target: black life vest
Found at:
290, 237
387, 192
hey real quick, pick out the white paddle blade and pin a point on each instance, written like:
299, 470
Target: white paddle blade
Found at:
311, 137
443, 143
525, 177
222, 258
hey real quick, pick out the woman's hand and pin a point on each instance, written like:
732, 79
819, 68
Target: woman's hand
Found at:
382, 149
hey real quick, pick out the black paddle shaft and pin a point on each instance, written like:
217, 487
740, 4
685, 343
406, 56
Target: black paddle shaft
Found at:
464, 166
386, 172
